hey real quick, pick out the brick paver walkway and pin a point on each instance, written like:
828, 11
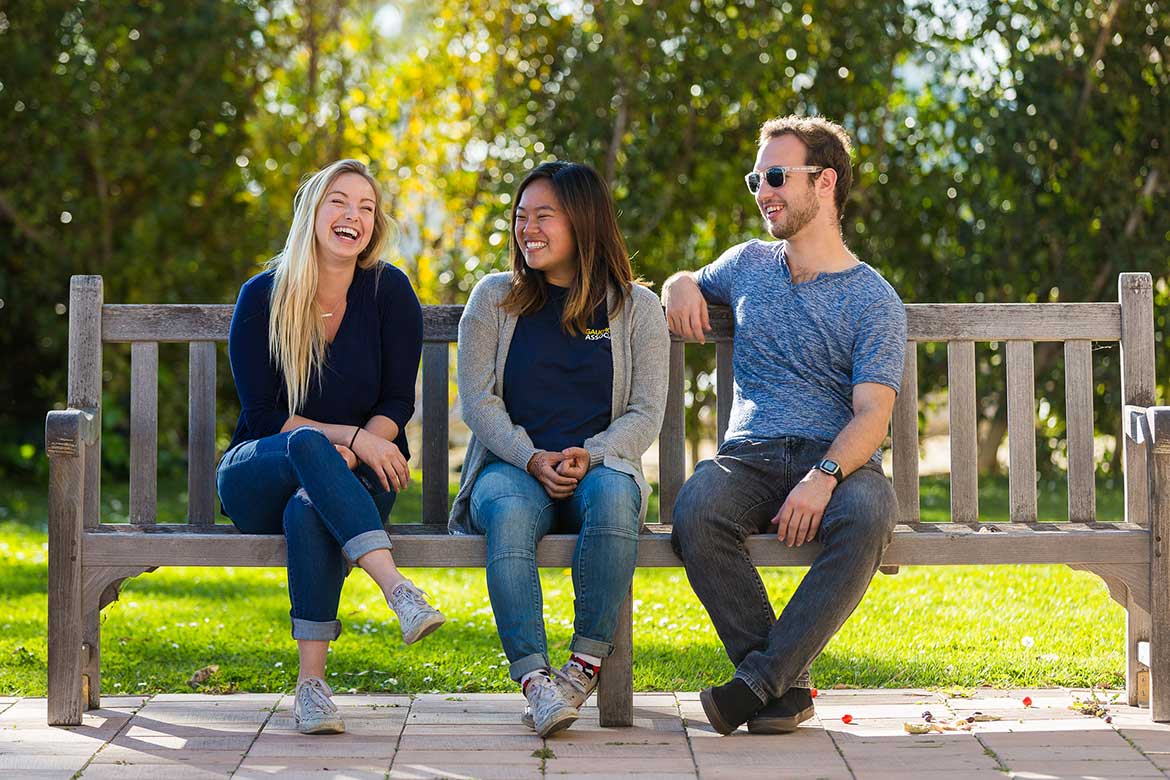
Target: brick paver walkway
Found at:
176, 737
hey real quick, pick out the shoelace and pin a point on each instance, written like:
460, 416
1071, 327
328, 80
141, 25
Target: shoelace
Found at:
316, 697
412, 594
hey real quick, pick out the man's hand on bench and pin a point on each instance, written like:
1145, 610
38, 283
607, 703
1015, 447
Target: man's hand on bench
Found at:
800, 514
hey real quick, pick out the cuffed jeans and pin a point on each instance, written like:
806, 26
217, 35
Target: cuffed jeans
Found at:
736, 494
511, 508
297, 484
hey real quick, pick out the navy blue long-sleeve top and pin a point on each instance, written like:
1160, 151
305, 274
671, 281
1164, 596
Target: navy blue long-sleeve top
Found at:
369, 369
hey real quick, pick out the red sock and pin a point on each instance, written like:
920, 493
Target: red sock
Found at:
590, 670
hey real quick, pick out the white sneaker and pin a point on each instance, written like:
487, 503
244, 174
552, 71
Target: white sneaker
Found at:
314, 710
547, 709
416, 617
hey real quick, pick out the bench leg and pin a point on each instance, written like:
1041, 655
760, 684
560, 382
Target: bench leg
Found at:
91, 657
1160, 586
65, 592
615, 689
1137, 675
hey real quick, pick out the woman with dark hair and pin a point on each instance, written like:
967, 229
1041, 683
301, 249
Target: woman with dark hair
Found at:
562, 379
324, 347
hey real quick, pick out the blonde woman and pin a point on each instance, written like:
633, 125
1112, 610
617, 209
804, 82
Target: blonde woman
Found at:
324, 349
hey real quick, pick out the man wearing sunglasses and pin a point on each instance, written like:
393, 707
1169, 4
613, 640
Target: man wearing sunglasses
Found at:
819, 349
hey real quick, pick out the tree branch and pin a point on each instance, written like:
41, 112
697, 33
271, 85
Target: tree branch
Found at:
22, 225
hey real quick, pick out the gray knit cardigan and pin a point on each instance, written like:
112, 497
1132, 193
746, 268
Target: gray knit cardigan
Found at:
641, 356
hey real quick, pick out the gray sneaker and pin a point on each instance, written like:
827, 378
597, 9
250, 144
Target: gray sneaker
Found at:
416, 617
314, 710
547, 710
573, 684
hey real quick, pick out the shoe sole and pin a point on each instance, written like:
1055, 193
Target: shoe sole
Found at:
567, 718
324, 728
426, 629
779, 725
714, 717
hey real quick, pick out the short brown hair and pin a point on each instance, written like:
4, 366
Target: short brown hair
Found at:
827, 143
602, 257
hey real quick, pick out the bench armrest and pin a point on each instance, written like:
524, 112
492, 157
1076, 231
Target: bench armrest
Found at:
67, 430
1148, 425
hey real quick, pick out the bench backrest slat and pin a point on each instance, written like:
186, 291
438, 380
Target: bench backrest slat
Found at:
905, 440
963, 420
143, 432
1136, 293
435, 463
201, 434
1078, 394
181, 322
724, 387
85, 377
1021, 416
1012, 321
672, 453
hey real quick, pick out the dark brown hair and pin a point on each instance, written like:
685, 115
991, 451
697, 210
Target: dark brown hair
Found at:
827, 143
602, 257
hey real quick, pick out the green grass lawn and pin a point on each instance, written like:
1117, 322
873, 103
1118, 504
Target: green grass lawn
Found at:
925, 627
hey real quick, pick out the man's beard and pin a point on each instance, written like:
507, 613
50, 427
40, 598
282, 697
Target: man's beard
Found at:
795, 218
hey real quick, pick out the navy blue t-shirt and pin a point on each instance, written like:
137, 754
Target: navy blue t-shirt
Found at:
369, 368
559, 387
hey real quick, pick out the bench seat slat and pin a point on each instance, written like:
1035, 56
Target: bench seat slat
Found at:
418, 545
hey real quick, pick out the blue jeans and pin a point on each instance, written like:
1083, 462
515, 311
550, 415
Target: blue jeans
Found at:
512, 510
297, 484
736, 494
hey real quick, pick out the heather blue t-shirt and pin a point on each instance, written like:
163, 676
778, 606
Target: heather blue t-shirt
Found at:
559, 387
800, 348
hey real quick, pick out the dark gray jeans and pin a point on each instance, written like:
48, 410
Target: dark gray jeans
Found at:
736, 494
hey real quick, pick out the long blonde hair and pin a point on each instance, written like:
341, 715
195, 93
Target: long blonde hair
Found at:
296, 331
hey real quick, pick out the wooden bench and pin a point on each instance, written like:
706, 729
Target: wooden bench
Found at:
89, 559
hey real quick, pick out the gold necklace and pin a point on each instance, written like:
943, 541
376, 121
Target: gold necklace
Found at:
327, 314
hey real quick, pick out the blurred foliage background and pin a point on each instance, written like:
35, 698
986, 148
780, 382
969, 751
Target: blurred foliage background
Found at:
1005, 151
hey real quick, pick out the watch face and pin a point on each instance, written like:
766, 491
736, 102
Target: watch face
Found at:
829, 466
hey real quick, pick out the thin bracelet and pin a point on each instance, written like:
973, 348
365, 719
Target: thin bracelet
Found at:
357, 429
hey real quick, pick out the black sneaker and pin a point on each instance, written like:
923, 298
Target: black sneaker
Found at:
729, 706
783, 715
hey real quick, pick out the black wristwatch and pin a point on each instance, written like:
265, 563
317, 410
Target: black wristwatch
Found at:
831, 468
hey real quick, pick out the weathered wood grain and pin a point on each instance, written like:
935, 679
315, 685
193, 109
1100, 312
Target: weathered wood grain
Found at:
1078, 394
614, 701
672, 445
1021, 413
143, 432
724, 387
905, 439
964, 445
201, 434
85, 376
210, 322
435, 463
1136, 294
